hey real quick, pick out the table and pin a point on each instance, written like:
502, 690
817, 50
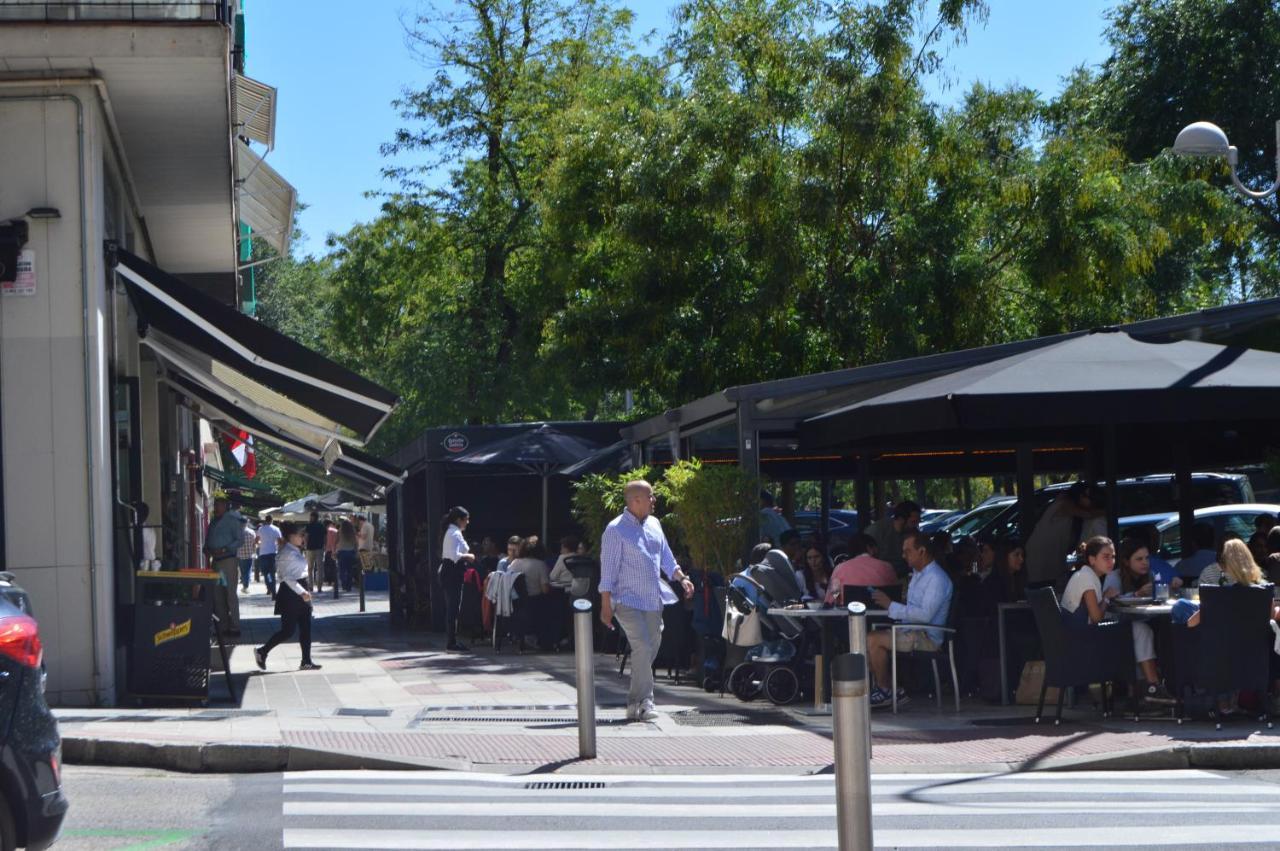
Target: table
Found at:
822, 616
1021, 605
1146, 611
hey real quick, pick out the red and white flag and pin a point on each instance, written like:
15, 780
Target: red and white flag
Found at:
242, 451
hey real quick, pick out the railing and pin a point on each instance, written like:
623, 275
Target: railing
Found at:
220, 11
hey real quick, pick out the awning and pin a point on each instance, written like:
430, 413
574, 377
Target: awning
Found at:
266, 200
280, 381
255, 110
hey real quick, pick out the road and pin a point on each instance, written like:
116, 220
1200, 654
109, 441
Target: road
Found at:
134, 809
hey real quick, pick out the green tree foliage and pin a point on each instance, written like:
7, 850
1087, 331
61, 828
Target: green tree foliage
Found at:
770, 192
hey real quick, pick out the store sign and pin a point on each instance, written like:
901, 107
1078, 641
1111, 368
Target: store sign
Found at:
24, 282
175, 631
456, 442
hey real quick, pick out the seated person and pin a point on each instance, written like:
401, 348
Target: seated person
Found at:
563, 578
1135, 572
1084, 602
513, 552
863, 569
1205, 554
815, 572
1235, 566
928, 602
531, 561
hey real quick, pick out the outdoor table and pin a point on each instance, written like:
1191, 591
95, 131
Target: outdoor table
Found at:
1142, 611
824, 618
1021, 605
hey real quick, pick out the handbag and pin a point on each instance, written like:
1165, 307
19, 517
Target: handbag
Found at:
1029, 683
741, 629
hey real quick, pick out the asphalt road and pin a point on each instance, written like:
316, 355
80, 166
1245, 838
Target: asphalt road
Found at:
141, 809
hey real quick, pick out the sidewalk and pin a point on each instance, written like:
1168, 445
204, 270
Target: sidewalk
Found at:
391, 699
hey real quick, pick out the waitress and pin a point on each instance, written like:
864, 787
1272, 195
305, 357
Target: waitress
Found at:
293, 598
454, 556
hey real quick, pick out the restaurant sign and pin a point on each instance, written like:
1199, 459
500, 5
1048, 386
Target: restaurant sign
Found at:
455, 442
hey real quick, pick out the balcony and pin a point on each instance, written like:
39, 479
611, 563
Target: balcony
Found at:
164, 11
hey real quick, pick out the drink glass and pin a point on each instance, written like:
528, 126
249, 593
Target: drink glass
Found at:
1162, 592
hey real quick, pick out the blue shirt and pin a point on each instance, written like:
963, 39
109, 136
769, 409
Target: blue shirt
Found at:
634, 555
224, 534
928, 600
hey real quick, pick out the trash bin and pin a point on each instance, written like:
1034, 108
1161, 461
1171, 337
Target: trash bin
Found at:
169, 658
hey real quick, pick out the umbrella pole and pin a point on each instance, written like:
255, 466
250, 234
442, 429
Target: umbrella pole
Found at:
544, 511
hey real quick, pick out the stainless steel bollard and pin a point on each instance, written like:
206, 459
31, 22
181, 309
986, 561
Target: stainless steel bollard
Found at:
584, 654
850, 709
858, 644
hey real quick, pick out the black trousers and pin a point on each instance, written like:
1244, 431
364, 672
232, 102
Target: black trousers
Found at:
451, 584
295, 616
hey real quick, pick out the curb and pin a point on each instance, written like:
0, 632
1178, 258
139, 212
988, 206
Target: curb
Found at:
242, 758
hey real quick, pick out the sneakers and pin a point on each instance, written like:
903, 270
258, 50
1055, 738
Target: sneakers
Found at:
902, 696
880, 697
308, 666
1157, 693
260, 658
648, 713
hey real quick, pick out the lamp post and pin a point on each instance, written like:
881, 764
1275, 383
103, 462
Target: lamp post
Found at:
1204, 139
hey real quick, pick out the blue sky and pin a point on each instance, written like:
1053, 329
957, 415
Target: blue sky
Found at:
338, 65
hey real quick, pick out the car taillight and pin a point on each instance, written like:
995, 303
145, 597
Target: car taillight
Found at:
20, 641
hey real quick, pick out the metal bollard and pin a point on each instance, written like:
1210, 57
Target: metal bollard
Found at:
361, 587
858, 644
853, 761
585, 656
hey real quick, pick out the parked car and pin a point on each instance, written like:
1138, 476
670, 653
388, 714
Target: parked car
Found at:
1225, 519
1137, 496
934, 519
32, 804
842, 525
970, 522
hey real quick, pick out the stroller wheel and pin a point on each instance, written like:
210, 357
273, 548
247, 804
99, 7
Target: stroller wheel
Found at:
711, 682
781, 686
743, 682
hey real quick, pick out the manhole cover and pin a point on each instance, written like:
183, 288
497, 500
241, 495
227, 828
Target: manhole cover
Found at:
725, 718
565, 784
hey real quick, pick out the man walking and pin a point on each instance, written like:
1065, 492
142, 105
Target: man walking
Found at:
315, 551
634, 556
268, 545
248, 549
221, 544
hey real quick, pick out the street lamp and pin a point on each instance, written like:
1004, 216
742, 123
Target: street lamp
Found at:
1205, 139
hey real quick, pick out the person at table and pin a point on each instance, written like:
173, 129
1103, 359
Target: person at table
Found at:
862, 570
1135, 571
1084, 604
1235, 566
772, 523
1206, 553
1055, 535
890, 530
928, 602
1264, 523
815, 572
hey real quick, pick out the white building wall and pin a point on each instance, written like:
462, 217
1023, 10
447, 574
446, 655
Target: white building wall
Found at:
57, 492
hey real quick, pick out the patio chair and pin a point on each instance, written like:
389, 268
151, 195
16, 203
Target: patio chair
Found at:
1230, 650
946, 652
516, 624
1101, 654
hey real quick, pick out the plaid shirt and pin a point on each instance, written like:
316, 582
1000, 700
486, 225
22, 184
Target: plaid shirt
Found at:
248, 544
633, 558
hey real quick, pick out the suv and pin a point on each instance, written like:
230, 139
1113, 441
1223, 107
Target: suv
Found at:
1142, 495
32, 804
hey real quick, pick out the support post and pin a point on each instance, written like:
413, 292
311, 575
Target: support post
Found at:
1026, 491
1109, 468
749, 461
585, 657
1186, 507
858, 644
824, 517
853, 762
360, 579
862, 491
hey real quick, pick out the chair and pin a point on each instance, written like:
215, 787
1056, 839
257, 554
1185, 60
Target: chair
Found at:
1230, 650
515, 624
946, 651
1097, 654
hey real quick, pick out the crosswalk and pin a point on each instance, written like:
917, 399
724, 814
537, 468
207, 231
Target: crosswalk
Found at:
461, 811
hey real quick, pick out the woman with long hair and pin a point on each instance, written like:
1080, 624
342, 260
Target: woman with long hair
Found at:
455, 553
293, 598
815, 572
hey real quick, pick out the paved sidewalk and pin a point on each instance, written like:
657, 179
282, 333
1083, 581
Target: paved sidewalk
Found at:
388, 699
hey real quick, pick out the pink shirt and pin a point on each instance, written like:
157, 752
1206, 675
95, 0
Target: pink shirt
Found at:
863, 570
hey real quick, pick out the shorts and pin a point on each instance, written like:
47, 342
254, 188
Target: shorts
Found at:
915, 640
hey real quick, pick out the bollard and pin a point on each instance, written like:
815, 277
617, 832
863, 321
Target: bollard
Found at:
850, 709
361, 577
858, 644
584, 654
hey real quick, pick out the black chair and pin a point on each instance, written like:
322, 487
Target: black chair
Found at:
517, 624
1102, 653
1231, 648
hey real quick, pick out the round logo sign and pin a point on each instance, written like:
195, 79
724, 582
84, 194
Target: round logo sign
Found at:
455, 442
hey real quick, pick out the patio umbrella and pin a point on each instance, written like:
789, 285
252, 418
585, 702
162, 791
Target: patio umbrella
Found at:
614, 458
543, 451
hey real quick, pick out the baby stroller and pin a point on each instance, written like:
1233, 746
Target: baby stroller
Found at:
772, 665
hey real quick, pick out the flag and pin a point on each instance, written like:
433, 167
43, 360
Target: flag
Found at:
242, 451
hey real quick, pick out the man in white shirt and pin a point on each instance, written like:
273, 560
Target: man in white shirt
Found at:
268, 546
364, 534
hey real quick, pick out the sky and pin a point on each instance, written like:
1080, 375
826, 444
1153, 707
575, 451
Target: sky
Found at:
338, 65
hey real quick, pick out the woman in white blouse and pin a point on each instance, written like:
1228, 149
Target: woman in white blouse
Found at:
293, 598
454, 557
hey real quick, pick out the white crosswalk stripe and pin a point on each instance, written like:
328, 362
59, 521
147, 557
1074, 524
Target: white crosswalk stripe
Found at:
457, 810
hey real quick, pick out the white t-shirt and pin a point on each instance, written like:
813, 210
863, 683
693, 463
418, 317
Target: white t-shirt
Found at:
364, 538
1081, 581
455, 546
269, 536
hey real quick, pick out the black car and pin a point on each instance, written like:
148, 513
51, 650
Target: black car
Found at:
32, 804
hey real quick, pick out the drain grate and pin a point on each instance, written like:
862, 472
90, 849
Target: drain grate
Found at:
495, 719
364, 713
724, 718
542, 785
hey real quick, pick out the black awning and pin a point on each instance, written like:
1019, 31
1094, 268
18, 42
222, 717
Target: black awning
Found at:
251, 349
360, 468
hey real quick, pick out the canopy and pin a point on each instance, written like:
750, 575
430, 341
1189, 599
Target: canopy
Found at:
1102, 378
614, 458
542, 450
280, 380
